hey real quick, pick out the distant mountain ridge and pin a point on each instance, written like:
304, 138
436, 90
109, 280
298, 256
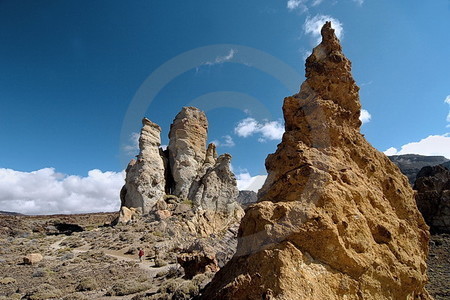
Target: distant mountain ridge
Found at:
410, 164
10, 213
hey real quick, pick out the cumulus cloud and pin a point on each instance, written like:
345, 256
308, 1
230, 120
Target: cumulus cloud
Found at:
313, 25
365, 116
133, 147
359, 2
46, 191
268, 130
250, 183
227, 142
431, 145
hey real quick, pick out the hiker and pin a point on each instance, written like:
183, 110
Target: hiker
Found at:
141, 253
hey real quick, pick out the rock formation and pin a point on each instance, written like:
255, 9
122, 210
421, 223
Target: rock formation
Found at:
186, 180
145, 180
246, 198
335, 218
433, 197
410, 164
187, 148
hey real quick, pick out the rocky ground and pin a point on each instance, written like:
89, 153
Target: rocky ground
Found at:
439, 266
101, 261
98, 261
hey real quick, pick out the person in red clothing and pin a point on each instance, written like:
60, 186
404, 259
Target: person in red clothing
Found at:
141, 253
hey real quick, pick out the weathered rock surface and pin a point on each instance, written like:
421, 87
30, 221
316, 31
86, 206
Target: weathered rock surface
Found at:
335, 218
32, 258
145, 180
187, 180
433, 197
187, 148
411, 164
126, 215
217, 189
246, 198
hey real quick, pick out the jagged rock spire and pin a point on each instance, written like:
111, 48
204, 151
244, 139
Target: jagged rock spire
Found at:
145, 180
335, 218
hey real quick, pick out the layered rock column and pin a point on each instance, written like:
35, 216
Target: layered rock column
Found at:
335, 218
145, 180
187, 148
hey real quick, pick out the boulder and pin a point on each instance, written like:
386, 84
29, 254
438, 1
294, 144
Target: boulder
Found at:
32, 258
433, 197
335, 218
145, 180
127, 215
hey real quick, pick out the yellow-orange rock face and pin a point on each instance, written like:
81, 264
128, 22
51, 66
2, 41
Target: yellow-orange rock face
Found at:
335, 218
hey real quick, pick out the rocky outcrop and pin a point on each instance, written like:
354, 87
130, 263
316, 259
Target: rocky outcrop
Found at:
433, 197
187, 148
335, 218
145, 180
246, 198
187, 179
410, 164
126, 215
217, 189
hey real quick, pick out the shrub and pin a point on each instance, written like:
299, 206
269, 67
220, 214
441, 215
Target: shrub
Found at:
126, 288
87, 284
160, 263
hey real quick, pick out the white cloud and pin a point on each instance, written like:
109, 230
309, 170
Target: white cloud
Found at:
269, 130
313, 26
47, 192
303, 5
297, 4
431, 145
316, 2
133, 147
391, 151
222, 59
365, 116
227, 142
250, 183
447, 100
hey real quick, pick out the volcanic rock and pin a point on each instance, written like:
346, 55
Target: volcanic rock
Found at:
145, 179
187, 148
335, 218
187, 180
32, 258
411, 164
246, 198
433, 197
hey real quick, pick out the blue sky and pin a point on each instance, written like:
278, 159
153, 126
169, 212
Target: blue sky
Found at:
77, 77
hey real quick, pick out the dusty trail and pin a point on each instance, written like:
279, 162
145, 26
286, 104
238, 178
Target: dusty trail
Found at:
147, 264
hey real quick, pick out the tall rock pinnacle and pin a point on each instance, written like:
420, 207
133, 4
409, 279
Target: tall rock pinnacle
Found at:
335, 218
187, 148
145, 180
187, 170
